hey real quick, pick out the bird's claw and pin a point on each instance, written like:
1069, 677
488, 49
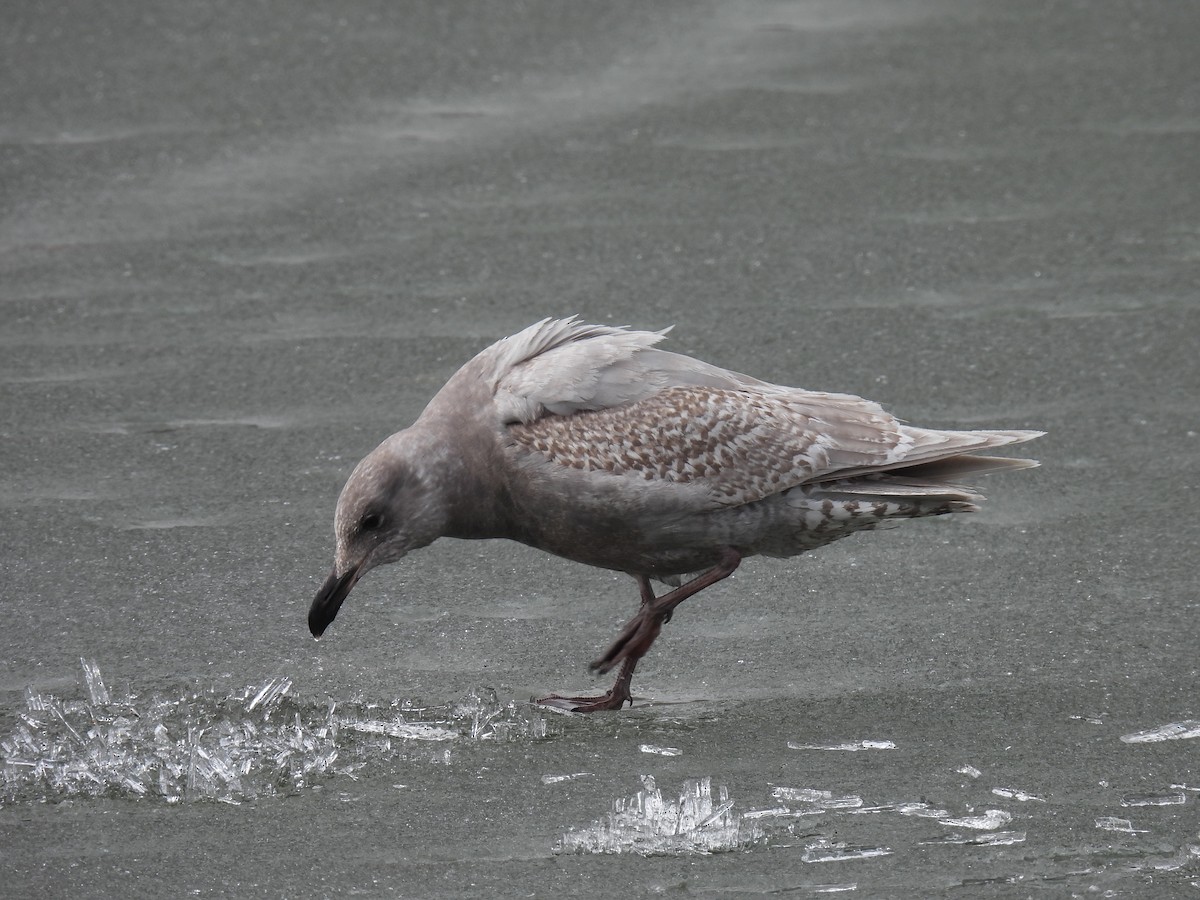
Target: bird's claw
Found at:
609, 701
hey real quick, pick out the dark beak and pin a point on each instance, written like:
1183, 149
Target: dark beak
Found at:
329, 599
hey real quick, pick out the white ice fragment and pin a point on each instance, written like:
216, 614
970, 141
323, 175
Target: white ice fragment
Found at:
823, 799
660, 751
833, 888
36, 702
555, 779
95, 684
651, 824
270, 693
921, 810
1014, 794
825, 850
786, 812
716, 814
773, 812
849, 801
1172, 798
411, 731
58, 713
846, 745
801, 795
202, 745
1172, 731
990, 820
969, 771
1112, 823
998, 838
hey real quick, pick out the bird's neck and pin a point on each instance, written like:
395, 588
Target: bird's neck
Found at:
471, 478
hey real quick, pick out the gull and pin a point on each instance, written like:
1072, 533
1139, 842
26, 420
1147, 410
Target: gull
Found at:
591, 443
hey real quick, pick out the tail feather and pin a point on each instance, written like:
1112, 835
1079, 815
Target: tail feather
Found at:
885, 486
965, 465
931, 451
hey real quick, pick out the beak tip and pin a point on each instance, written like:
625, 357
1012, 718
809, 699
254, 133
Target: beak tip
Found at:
329, 599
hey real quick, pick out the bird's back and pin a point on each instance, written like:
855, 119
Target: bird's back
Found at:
616, 453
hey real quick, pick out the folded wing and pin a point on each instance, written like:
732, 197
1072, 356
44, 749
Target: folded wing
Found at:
601, 399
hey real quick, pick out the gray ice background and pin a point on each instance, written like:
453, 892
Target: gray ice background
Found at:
240, 243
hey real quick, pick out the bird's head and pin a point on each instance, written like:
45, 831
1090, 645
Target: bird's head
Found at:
389, 506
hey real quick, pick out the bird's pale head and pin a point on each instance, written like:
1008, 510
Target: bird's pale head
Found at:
389, 506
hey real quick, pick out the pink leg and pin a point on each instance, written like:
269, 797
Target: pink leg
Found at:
618, 695
637, 637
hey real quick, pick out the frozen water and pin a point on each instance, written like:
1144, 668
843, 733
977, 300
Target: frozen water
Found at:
660, 751
824, 850
1170, 798
651, 824
992, 819
995, 839
95, 684
969, 771
204, 745
802, 795
921, 810
773, 812
845, 745
1014, 794
1113, 823
1172, 731
821, 799
557, 779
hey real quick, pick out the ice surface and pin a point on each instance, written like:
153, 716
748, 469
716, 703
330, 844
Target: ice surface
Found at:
819, 798
774, 812
1112, 823
1169, 799
921, 810
992, 819
258, 741
824, 850
95, 684
969, 771
1014, 794
845, 745
1172, 731
995, 839
801, 795
558, 779
651, 824
660, 751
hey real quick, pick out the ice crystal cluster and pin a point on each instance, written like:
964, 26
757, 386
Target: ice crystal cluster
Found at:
651, 823
205, 744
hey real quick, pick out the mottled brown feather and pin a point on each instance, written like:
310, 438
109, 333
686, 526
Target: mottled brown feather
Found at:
741, 445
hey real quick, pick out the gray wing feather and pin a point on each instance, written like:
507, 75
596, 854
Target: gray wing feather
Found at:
602, 399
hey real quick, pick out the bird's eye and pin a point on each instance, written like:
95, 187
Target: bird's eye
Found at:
370, 521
